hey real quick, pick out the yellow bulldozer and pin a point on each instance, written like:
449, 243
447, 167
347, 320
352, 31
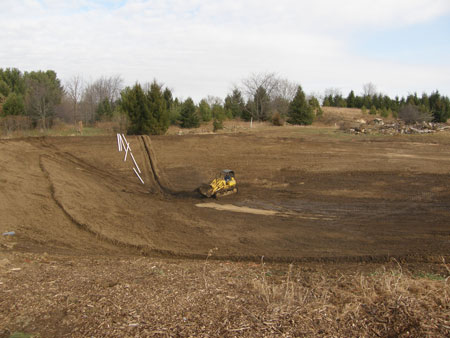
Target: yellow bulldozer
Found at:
224, 184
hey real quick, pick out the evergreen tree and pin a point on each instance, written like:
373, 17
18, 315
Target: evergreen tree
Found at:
204, 111
425, 101
43, 93
147, 111
14, 105
134, 103
247, 113
174, 111
157, 105
300, 112
4, 88
218, 112
326, 102
2, 101
376, 101
104, 110
261, 104
384, 112
188, 116
14, 79
367, 101
438, 107
234, 104
351, 100
358, 102
339, 101
168, 97
315, 106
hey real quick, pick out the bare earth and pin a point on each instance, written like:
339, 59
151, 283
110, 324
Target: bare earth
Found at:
99, 248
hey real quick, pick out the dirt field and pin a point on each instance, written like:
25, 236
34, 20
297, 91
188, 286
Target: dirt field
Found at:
311, 196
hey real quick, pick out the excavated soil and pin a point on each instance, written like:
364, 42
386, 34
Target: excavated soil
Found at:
364, 219
300, 197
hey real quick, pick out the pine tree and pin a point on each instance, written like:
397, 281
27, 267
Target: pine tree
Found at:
4, 88
315, 106
14, 105
168, 98
204, 111
300, 112
351, 100
134, 103
157, 105
104, 110
188, 116
261, 104
234, 104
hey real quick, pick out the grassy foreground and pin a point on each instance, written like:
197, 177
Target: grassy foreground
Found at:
50, 296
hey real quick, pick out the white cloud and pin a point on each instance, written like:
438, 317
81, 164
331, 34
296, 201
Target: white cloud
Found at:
202, 47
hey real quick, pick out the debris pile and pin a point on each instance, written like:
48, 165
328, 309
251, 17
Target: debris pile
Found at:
378, 126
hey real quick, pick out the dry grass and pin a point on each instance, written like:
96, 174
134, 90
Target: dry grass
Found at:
384, 303
150, 297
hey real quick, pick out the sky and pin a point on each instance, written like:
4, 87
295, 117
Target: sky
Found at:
200, 48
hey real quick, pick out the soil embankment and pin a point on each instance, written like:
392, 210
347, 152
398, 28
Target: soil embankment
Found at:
301, 197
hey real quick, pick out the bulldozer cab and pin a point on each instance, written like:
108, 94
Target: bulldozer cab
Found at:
227, 175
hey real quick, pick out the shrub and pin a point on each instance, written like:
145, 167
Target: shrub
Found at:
373, 110
11, 123
121, 121
217, 124
277, 120
384, 113
412, 114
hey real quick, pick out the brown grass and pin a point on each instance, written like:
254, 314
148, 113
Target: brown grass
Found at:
151, 297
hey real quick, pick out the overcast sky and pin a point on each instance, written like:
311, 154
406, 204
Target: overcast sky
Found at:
201, 48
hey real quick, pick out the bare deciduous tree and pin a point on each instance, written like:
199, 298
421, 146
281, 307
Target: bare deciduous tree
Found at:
104, 88
74, 91
332, 92
259, 88
283, 94
413, 114
214, 100
268, 93
369, 89
286, 89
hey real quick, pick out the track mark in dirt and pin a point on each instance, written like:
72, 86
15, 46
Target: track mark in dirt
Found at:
254, 211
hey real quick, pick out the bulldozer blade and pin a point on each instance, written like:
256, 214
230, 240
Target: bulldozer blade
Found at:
205, 190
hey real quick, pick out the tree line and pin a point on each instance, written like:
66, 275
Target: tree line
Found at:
35, 94
435, 105
41, 98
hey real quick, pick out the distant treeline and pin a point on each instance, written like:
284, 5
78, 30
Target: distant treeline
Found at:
38, 99
435, 103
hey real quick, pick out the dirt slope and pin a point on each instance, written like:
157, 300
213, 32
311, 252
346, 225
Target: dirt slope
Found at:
312, 197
